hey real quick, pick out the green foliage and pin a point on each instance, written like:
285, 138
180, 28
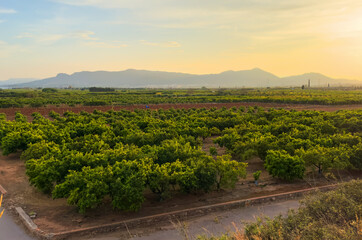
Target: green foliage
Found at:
256, 175
38, 150
85, 189
36, 104
20, 118
326, 158
127, 185
172, 150
11, 143
2, 116
54, 115
205, 172
159, 179
213, 151
95, 103
228, 171
44, 173
14, 141
284, 166
109, 96
356, 156
202, 132
49, 90
99, 89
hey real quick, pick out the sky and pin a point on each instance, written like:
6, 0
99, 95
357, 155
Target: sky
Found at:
40, 38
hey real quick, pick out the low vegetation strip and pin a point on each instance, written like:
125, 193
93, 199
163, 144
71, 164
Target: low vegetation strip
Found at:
334, 215
87, 97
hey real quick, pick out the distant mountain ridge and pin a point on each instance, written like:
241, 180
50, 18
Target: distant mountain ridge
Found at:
16, 81
132, 78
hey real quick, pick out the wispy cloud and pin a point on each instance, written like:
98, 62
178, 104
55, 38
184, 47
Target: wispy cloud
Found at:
52, 38
203, 4
254, 14
86, 35
169, 44
87, 39
105, 3
7, 11
7, 49
25, 35
42, 38
114, 44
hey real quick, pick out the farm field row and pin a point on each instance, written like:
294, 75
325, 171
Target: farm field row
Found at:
72, 97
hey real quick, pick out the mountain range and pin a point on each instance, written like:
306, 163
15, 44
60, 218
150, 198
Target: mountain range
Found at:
13, 81
156, 79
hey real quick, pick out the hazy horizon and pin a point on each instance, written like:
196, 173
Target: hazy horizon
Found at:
41, 38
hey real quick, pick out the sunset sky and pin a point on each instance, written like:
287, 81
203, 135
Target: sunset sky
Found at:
40, 38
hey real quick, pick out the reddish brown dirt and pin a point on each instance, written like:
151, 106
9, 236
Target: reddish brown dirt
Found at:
56, 215
10, 112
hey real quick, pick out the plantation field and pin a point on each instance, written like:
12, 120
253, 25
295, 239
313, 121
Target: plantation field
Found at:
19, 98
127, 164
28, 111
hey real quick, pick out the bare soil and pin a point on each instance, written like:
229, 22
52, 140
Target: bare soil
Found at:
56, 216
10, 112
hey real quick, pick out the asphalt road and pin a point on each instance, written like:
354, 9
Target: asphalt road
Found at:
9, 230
212, 225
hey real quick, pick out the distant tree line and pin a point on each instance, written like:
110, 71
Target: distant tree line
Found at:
100, 89
109, 96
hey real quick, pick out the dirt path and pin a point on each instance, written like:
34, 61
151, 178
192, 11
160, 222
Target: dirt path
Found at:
10, 112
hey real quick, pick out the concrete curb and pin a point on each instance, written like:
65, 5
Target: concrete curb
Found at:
182, 215
26, 219
31, 226
165, 218
2, 190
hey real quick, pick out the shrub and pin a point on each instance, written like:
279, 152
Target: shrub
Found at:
284, 166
